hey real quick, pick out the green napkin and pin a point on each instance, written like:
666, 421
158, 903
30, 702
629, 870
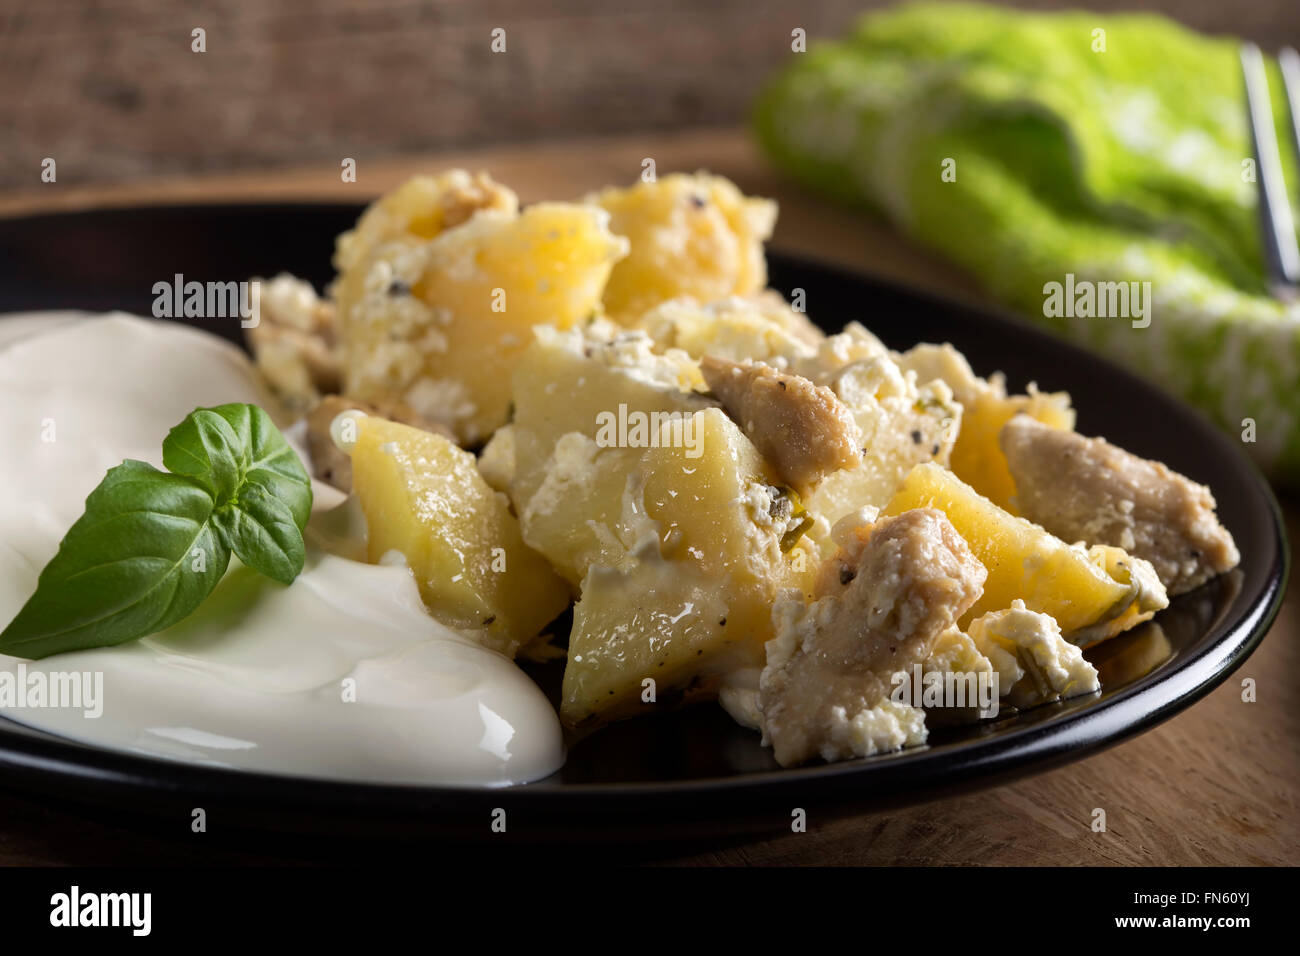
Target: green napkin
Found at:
1034, 147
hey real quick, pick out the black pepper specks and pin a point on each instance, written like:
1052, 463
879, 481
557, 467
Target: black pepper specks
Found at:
398, 288
847, 574
916, 436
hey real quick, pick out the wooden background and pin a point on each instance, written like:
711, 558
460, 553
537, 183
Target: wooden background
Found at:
111, 90
1217, 784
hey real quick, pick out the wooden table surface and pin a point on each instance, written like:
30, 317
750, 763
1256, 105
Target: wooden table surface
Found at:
1217, 784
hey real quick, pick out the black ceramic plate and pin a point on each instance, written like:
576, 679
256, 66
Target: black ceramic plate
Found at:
694, 772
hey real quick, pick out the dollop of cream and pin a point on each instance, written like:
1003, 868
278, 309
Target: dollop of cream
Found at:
340, 675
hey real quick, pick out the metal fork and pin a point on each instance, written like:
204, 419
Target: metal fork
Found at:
1277, 227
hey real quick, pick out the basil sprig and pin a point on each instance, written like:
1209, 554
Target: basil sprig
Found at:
152, 545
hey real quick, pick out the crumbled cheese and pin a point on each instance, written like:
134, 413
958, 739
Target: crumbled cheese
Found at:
762, 328
738, 695
853, 345
441, 400
868, 380
757, 501
292, 301
630, 352
955, 652
570, 476
890, 725
496, 463
1035, 664
295, 341
843, 531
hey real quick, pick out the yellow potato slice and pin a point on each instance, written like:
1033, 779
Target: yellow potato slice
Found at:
567, 487
424, 498
691, 597
440, 324
977, 457
416, 211
692, 235
1022, 559
1146, 595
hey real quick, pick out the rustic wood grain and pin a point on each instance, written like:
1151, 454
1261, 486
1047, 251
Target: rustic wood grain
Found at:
112, 90
1218, 784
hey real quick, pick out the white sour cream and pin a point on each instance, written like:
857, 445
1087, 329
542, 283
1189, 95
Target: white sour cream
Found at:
340, 675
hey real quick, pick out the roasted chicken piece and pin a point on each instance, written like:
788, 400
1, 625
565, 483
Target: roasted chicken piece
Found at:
1086, 489
803, 429
826, 689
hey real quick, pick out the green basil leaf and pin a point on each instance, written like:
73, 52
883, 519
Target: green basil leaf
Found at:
273, 501
272, 463
226, 446
206, 448
143, 555
262, 493
151, 546
264, 533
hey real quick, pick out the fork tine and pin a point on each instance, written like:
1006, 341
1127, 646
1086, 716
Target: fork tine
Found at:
1289, 61
1278, 229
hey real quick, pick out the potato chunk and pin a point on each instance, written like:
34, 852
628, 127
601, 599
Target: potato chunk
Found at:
496, 462
330, 463
1147, 595
977, 458
572, 518
1022, 559
440, 324
689, 597
424, 498
566, 485
407, 217
693, 236
415, 212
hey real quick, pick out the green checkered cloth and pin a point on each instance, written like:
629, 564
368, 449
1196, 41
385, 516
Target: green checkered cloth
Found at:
1026, 147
